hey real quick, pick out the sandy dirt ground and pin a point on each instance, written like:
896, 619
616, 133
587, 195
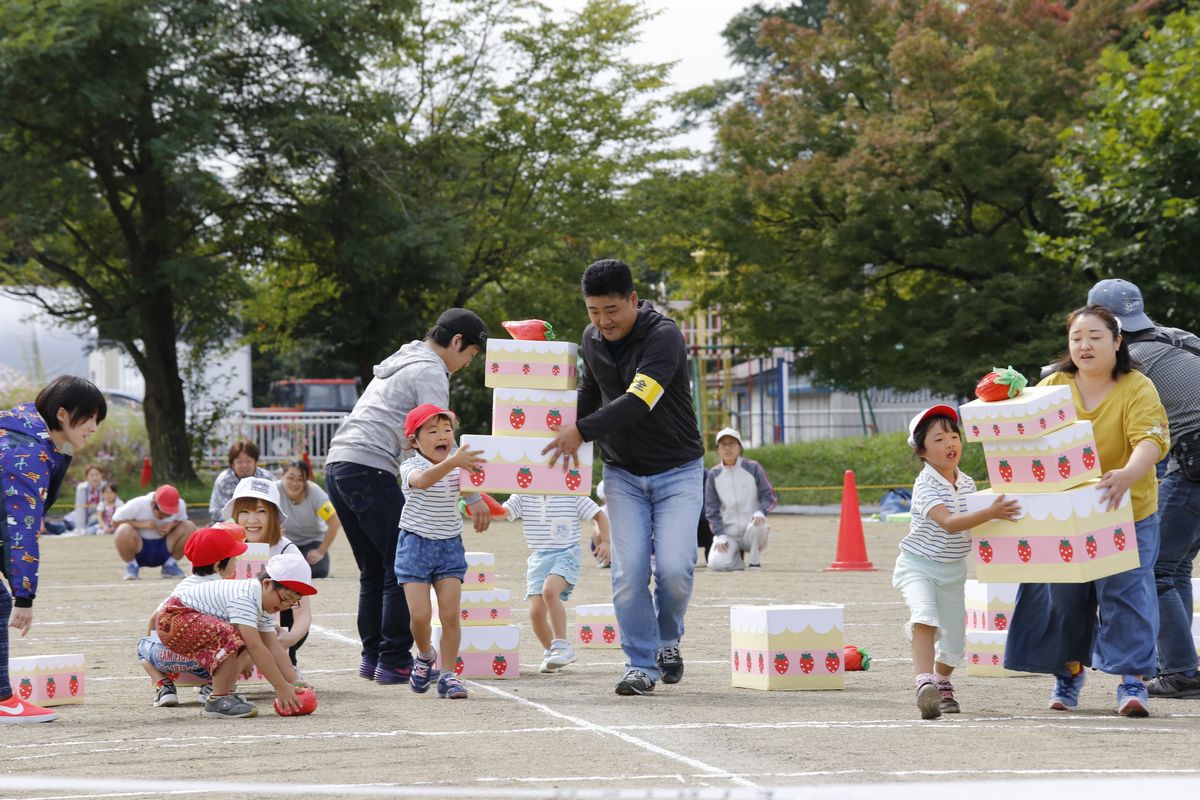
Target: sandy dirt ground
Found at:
569, 730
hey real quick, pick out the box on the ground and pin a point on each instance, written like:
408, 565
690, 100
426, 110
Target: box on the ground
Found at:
596, 626
787, 647
57, 680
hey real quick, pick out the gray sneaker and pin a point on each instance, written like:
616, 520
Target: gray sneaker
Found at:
167, 696
634, 682
228, 706
670, 663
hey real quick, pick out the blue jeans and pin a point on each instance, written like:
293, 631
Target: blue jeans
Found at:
1054, 623
368, 502
653, 513
1179, 528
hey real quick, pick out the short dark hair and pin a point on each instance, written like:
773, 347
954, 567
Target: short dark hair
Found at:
945, 422
242, 446
443, 336
211, 569
78, 396
110, 485
301, 465
607, 277
1125, 360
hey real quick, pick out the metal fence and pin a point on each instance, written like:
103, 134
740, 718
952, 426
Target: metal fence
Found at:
760, 429
280, 436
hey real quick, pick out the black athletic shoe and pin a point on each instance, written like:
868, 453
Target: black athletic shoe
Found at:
1176, 684
635, 682
671, 664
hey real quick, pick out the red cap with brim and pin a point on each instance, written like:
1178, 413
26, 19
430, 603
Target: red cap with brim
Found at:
166, 497
209, 546
932, 411
291, 570
422, 414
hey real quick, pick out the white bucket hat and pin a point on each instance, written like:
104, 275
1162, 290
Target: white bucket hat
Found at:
262, 488
721, 434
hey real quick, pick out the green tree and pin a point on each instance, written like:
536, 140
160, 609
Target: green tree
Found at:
124, 127
1130, 176
874, 192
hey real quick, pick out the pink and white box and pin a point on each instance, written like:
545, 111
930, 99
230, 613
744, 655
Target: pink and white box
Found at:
487, 607
1053, 462
520, 364
596, 626
49, 680
787, 647
1036, 411
990, 605
985, 655
486, 651
253, 561
515, 464
531, 412
481, 571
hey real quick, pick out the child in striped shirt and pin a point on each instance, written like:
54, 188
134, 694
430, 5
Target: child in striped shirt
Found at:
430, 550
553, 533
932, 567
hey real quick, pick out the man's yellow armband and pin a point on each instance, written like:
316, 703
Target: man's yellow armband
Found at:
645, 389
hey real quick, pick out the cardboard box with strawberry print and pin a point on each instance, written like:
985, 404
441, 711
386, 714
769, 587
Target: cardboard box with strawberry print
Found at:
486, 607
49, 680
1035, 412
990, 605
1059, 460
985, 655
531, 412
515, 464
481, 571
516, 364
596, 626
486, 651
1060, 537
786, 647
253, 561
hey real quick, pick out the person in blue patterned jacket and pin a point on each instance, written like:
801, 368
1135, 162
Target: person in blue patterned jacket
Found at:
32, 467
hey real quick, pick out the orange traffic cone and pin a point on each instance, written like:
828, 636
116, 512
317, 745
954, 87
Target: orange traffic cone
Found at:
852, 547
146, 471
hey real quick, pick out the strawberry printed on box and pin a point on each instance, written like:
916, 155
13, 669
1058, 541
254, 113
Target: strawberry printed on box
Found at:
486, 607
787, 647
990, 605
596, 626
1036, 411
253, 561
481, 571
486, 651
1061, 537
1058, 460
49, 680
514, 364
515, 464
531, 412
985, 655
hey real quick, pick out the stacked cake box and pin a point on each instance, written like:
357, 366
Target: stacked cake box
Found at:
253, 561
787, 647
1041, 455
596, 626
989, 610
490, 642
49, 680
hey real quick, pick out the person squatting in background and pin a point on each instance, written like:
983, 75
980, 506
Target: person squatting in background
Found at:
737, 497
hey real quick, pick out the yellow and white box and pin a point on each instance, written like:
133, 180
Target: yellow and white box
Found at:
516, 465
787, 647
1060, 537
520, 364
481, 572
985, 655
1059, 460
49, 680
990, 605
596, 626
486, 651
1035, 412
484, 607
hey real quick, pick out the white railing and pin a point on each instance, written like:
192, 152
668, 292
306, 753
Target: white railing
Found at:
280, 436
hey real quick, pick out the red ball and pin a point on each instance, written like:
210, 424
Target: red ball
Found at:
308, 704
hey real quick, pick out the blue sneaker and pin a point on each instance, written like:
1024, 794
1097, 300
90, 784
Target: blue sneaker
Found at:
1065, 696
389, 676
131, 572
450, 687
171, 569
422, 674
1133, 699
366, 669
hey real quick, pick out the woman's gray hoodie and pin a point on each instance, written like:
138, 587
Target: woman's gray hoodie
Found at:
373, 434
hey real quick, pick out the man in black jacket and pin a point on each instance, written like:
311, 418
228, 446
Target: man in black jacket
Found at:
635, 401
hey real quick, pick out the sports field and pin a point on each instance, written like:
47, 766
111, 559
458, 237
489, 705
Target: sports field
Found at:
568, 732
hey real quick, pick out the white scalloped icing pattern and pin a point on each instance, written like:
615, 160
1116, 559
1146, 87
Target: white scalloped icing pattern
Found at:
30, 663
490, 637
980, 594
498, 596
1033, 399
774, 620
519, 449
1060, 439
507, 395
1080, 501
597, 610
522, 346
988, 637
477, 558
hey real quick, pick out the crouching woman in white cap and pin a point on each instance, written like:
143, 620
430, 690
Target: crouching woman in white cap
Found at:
737, 497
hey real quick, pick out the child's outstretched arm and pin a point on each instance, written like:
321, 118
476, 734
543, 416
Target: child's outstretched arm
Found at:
999, 509
262, 647
462, 457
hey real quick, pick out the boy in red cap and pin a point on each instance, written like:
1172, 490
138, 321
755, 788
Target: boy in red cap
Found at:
430, 551
213, 553
151, 531
227, 626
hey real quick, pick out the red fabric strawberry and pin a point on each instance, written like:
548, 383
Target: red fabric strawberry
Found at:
529, 330
1000, 384
855, 658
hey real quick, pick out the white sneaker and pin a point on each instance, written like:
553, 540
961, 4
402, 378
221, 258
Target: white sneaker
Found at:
561, 652
545, 667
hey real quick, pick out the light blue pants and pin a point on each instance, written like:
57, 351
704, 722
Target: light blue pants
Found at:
935, 596
653, 514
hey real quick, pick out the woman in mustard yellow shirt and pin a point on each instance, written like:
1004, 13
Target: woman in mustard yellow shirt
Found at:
1055, 628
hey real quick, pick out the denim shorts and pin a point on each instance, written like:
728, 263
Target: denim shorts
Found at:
421, 560
154, 553
544, 563
151, 650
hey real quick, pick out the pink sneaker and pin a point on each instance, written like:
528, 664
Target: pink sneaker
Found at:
15, 711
